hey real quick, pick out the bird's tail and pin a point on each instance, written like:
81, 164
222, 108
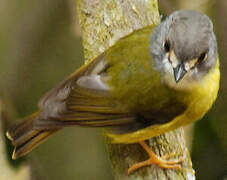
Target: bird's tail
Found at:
25, 138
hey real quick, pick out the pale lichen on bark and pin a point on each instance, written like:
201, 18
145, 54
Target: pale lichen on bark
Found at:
103, 22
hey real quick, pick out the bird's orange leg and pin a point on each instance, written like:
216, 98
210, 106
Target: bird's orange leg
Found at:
154, 159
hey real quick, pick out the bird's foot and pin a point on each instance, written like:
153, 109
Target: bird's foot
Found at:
162, 162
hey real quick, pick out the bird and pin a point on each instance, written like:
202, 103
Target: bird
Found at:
149, 82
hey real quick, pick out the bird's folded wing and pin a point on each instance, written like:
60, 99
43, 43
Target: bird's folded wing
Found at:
83, 99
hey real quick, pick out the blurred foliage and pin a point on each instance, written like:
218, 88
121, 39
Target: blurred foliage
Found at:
21, 172
39, 47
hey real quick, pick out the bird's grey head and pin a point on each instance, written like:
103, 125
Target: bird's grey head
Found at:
184, 47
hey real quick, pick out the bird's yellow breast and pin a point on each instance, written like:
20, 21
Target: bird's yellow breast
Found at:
199, 100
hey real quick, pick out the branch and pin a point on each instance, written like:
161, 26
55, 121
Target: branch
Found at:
103, 23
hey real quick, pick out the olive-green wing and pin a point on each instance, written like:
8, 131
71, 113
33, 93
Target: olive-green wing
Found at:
83, 99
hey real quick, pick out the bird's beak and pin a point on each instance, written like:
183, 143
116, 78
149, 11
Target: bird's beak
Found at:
179, 72
178, 67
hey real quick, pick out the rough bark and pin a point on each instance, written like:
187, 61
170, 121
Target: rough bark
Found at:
103, 22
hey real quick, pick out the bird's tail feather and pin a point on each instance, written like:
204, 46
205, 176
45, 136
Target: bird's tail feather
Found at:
25, 138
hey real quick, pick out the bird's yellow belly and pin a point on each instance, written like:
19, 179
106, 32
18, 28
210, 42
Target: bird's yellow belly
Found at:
198, 103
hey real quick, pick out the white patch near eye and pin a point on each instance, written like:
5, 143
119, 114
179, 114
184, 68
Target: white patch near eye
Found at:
174, 64
186, 66
194, 74
165, 59
173, 59
168, 69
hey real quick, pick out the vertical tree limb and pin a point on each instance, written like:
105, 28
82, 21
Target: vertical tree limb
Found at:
103, 22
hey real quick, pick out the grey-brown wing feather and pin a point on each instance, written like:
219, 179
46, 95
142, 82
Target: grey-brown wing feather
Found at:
82, 99
51, 103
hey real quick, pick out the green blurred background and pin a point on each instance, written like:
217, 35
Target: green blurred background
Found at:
40, 44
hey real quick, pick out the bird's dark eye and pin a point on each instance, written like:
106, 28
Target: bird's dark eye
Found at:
202, 57
166, 46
